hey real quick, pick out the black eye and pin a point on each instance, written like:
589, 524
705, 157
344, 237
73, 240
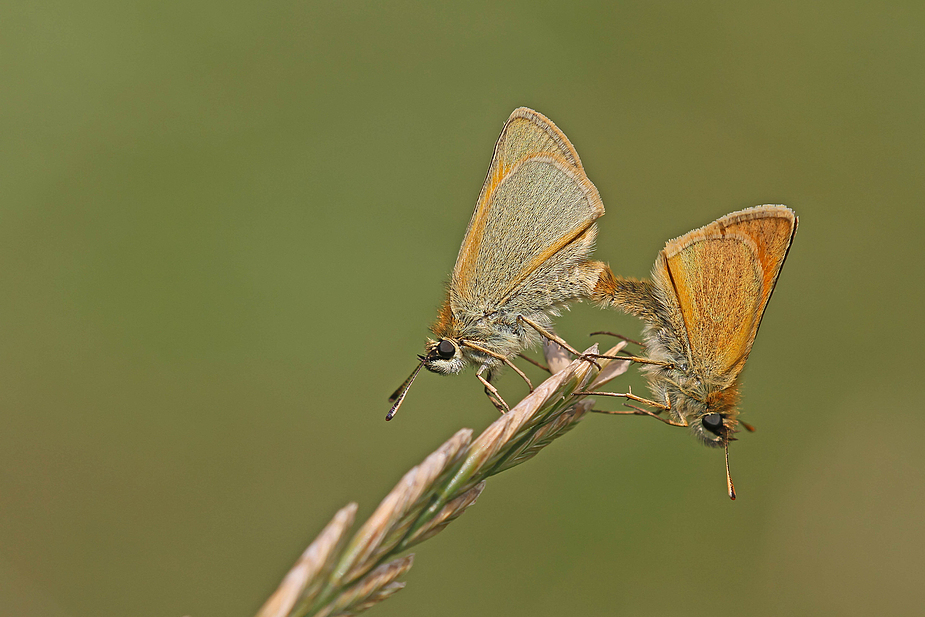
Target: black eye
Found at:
713, 422
446, 349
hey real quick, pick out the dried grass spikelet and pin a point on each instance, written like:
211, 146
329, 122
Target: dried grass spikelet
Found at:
340, 577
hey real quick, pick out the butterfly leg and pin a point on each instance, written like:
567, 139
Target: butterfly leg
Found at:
636, 359
639, 411
619, 336
498, 356
632, 397
534, 362
493, 395
556, 339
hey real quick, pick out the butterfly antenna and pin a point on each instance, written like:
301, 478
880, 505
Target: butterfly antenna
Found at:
399, 395
619, 336
729, 486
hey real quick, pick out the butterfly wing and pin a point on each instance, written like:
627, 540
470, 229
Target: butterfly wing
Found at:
721, 276
534, 218
527, 133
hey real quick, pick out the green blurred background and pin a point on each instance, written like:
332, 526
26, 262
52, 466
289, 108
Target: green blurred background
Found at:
225, 227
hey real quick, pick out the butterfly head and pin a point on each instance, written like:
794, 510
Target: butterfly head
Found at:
444, 356
715, 428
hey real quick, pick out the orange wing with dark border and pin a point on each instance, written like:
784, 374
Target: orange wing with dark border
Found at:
722, 276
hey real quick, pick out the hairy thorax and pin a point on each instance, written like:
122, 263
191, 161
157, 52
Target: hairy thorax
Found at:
689, 394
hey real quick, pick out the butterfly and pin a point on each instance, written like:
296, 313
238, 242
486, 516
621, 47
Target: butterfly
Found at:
525, 255
702, 308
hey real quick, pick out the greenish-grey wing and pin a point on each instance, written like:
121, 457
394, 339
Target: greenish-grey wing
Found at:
537, 220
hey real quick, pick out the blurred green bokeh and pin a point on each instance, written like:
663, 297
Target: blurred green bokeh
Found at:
224, 229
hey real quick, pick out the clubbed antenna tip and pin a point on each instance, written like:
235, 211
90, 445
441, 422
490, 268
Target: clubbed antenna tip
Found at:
399, 395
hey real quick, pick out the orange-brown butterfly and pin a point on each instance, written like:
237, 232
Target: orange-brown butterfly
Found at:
525, 255
702, 308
